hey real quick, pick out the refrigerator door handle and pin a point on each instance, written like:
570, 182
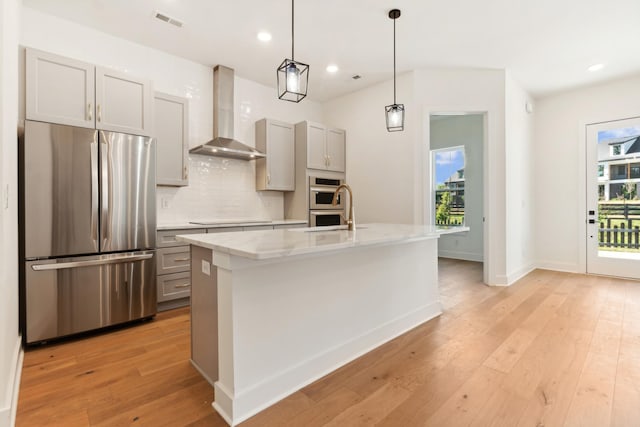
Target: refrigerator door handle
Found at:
94, 191
76, 264
105, 188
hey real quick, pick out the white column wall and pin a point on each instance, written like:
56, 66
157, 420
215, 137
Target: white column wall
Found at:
559, 165
519, 181
9, 338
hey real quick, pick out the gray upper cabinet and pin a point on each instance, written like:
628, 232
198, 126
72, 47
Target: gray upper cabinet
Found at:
325, 147
123, 102
70, 92
336, 150
171, 132
277, 170
59, 90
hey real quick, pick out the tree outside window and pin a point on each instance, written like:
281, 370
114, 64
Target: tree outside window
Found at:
448, 179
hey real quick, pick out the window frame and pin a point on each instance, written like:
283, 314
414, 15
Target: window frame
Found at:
432, 179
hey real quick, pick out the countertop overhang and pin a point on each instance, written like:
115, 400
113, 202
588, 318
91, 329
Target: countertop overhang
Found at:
272, 244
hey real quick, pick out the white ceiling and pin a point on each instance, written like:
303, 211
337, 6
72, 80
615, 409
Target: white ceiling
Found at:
547, 44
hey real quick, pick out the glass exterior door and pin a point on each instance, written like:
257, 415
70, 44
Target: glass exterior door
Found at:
613, 205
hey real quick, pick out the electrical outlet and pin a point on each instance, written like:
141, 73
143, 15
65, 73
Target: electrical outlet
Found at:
206, 267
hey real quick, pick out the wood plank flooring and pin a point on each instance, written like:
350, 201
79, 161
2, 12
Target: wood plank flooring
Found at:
554, 349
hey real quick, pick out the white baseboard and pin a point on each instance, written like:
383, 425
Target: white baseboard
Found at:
566, 267
248, 402
466, 256
519, 274
10, 406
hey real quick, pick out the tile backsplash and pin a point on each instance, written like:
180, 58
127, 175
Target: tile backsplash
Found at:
218, 188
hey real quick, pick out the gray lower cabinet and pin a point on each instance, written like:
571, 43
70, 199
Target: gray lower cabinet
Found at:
174, 268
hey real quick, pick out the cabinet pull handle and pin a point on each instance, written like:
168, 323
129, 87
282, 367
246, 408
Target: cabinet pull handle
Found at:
99, 113
328, 160
181, 259
268, 179
185, 173
186, 285
89, 112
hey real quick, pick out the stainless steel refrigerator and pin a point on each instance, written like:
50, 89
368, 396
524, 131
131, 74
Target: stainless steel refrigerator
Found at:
88, 227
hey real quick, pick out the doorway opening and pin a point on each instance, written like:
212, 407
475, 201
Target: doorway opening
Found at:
455, 185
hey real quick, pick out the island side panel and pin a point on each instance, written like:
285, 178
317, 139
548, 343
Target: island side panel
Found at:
204, 314
294, 321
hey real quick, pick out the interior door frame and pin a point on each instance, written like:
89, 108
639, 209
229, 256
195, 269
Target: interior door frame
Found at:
425, 185
582, 181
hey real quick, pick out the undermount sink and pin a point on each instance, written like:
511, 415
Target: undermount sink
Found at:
330, 228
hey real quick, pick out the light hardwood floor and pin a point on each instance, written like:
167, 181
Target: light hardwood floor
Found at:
554, 349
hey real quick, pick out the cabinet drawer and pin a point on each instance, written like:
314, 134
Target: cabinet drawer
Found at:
167, 238
288, 226
257, 227
174, 286
223, 229
174, 259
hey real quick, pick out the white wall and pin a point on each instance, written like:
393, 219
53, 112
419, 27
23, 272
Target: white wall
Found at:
519, 181
560, 208
467, 131
9, 339
380, 164
219, 188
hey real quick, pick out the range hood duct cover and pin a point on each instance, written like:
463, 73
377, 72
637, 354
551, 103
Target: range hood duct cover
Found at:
223, 144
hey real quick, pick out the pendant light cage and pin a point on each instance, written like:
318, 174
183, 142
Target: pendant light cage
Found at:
394, 113
395, 117
292, 76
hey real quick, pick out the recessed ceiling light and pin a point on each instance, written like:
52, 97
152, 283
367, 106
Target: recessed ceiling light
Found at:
596, 67
332, 68
263, 36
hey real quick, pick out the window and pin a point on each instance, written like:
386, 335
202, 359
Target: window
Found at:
616, 150
601, 194
448, 178
618, 172
600, 170
634, 170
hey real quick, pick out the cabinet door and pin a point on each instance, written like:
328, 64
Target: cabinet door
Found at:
336, 150
316, 151
123, 103
280, 156
59, 90
170, 129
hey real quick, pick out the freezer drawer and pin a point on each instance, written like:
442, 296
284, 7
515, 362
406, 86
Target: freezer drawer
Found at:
70, 295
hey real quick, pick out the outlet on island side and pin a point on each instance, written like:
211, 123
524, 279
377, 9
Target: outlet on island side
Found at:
206, 267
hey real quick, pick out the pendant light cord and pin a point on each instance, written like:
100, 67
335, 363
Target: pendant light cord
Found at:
394, 61
292, 21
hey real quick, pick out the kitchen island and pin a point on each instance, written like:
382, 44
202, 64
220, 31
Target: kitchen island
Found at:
273, 311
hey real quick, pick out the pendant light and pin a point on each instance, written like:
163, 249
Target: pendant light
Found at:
395, 112
293, 76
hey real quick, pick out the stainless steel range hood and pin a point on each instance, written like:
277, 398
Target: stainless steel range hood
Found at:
223, 144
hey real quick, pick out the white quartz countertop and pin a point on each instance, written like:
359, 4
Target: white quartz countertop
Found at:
224, 223
269, 244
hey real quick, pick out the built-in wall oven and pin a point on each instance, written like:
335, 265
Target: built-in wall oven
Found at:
322, 212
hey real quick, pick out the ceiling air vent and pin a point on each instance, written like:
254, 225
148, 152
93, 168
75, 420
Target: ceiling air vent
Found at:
166, 18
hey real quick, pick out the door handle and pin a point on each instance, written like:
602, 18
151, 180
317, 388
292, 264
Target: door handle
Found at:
99, 113
93, 262
89, 112
94, 190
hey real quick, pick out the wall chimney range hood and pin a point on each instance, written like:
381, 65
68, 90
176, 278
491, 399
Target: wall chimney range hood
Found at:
223, 144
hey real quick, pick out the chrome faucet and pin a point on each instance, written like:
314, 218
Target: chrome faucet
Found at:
351, 221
